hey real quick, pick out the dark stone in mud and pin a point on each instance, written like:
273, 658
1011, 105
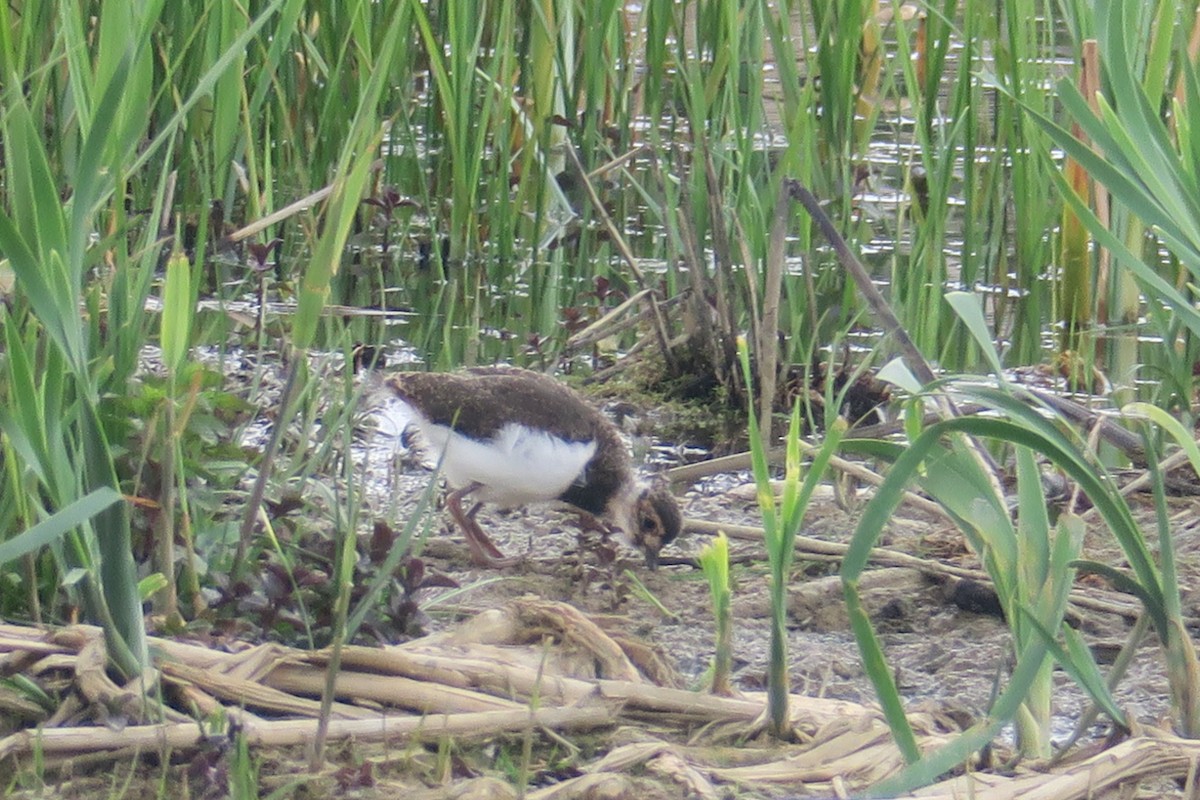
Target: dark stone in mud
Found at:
977, 598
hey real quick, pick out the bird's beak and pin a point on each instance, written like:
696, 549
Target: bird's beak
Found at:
651, 558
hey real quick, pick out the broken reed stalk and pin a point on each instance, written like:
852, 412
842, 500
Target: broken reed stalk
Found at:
887, 318
879, 305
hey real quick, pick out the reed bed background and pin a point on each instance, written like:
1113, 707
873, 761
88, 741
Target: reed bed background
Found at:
914, 123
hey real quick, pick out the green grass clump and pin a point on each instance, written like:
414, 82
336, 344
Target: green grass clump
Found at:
714, 561
781, 523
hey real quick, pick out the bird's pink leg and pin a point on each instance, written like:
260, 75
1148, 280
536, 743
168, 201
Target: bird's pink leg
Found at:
483, 552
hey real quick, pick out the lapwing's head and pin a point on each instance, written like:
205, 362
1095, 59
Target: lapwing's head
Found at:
654, 521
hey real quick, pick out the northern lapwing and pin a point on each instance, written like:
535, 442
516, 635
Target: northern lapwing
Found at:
510, 437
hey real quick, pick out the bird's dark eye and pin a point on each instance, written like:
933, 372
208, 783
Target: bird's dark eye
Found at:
649, 523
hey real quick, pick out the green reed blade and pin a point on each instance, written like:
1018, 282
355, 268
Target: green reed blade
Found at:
58, 524
930, 767
714, 561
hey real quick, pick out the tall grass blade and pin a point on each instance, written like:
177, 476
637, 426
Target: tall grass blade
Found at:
61, 522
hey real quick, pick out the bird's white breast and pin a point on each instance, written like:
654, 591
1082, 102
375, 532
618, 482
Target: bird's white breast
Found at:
517, 465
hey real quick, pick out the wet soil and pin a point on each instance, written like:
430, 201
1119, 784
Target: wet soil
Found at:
945, 658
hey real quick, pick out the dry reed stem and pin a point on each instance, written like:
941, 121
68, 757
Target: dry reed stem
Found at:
611, 323
285, 733
254, 695
1124, 764
420, 696
491, 669
502, 658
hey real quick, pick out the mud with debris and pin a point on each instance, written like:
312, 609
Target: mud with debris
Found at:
944, 657
944, 647
591, 685
947, 645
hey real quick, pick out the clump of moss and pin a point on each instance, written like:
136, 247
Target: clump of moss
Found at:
687, 404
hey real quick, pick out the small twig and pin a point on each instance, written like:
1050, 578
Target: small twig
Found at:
618, 162
611, 323
303, 204
632, 356
266, 463
699, 321
724, 340
808, 545
1127, 442
1176, 459
879, 305
1093, 445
